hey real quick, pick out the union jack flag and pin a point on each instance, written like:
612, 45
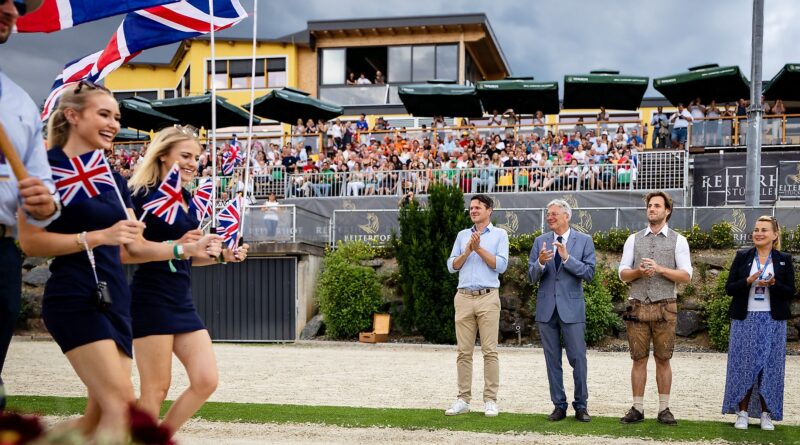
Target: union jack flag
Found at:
230, 222
166, 202
141, 30
201, 201
232, 158
55, 15
83, 177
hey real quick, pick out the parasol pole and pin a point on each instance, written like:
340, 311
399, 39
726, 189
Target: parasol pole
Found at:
213, 121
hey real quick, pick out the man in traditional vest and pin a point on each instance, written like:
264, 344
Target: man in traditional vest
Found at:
653, 261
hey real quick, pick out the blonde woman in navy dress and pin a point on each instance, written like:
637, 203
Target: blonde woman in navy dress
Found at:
761, 282
165, 321
97, 343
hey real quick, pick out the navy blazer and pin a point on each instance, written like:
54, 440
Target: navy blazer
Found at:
780, 293
562, 288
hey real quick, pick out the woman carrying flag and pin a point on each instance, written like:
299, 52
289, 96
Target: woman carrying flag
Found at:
86, 304
165, 320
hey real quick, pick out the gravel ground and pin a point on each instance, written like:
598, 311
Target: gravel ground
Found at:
399, 376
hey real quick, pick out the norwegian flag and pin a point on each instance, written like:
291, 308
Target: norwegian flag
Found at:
83, 177
230, 218
232, 158
166, 202
201, 201
141, 30
55, 15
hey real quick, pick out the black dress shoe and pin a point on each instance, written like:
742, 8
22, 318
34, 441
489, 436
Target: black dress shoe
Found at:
557, 414
666, 418
582, 415
633, 416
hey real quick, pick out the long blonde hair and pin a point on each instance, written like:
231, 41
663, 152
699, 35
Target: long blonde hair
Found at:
148, 174
58, 127
776, 244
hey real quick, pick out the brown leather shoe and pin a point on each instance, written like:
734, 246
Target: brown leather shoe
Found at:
665, 417
633, 416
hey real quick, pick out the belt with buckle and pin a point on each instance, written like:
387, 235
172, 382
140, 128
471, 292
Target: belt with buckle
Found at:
476, 292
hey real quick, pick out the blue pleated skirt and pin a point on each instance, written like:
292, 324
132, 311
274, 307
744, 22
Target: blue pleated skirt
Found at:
756, 359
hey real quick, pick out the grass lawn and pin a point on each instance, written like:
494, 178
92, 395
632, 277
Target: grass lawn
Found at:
430, 419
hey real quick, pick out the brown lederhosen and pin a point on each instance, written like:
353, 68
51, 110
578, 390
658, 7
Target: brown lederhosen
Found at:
656, 321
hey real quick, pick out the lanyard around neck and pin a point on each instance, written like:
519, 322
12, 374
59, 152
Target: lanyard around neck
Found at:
758, 266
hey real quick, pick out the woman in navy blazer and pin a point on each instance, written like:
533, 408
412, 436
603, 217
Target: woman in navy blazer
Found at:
761, 282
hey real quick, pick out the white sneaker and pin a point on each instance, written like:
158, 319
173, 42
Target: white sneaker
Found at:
741, 420
459, 407
490, 409
766, 422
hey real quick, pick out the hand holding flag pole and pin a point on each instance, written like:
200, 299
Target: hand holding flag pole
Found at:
11, 156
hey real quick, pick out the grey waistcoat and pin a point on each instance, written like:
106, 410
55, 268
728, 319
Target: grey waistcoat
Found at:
661, 249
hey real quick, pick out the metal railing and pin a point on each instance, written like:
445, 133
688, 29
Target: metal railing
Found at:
781, 129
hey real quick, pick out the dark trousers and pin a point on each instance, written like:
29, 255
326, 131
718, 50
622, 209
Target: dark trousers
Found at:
551, 333
10, 290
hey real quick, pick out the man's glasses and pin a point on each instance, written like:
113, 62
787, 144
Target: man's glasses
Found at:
22, 8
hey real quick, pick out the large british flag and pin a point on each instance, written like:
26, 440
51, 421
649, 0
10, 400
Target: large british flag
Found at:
55, 15
83, 177
145, 29
230, 218
168, 200
201, 201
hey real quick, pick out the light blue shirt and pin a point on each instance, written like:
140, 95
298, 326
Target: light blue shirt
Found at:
475, 273
23, 126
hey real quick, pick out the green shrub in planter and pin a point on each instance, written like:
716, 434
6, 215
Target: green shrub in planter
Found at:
697, 239
609, 279
716, 313
722, 236
348, 292
611, 241
522, 244
600, 316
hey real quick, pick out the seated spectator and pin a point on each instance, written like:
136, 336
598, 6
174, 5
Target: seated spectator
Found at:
634, 138
379, 79
362, 80
351, 79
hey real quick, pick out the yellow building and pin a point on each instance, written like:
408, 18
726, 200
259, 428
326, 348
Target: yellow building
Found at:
320, 59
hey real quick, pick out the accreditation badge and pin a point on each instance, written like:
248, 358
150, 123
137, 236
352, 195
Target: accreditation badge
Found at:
760, 291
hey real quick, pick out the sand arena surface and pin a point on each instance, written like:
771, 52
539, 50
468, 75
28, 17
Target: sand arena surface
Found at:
399, 376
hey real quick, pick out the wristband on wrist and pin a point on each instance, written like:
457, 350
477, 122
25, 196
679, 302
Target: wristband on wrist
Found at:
177, 252
83, 244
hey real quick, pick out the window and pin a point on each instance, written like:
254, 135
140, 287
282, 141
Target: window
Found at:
447, 62
169, 94
423, 66
150, 94
276, 72
333, 70
399, 64
236, 74
184, 86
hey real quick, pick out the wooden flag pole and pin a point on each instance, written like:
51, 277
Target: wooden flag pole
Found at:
11, 156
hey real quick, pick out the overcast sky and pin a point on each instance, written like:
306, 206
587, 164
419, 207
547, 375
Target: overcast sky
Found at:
542, 38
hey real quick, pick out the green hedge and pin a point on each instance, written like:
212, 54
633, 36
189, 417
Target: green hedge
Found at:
716, 313
600, 316
349, 293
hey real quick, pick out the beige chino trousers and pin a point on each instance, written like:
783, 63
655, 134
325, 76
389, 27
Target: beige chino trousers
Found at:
477, 313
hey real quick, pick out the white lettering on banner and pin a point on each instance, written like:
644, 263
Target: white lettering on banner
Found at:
378, 238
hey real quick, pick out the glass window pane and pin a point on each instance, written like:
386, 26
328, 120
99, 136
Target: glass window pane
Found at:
241, 67
399, 64
260, 82
240, 82
151, 95
423, 63
169, 94
447, 62
277, 64
221, 81
277, 79
333, 61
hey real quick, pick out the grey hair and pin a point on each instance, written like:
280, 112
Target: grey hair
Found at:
564, 206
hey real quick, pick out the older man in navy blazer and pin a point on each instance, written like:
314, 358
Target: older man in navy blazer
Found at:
560, 261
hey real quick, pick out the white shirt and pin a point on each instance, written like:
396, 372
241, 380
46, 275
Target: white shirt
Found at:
683, 122
682, 259
363, 81
754, 305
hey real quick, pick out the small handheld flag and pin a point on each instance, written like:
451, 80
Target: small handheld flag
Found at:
201, 201
166, 202
83, 177
229, 223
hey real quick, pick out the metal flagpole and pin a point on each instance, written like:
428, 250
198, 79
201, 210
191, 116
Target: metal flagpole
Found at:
247, 176
213, 121
752, 190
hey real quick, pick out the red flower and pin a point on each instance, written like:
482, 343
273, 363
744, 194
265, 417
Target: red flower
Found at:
18, 430
146, 430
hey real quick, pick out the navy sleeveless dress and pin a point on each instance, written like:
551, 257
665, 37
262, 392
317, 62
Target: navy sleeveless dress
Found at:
68, 308
162, 299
